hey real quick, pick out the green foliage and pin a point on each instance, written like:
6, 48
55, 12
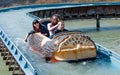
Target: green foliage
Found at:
4, 68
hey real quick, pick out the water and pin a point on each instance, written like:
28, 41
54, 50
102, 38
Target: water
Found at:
17, 24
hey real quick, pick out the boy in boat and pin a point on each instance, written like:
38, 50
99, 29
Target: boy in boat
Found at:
61, 27
37, 27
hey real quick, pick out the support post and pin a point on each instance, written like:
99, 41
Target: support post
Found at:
97, 22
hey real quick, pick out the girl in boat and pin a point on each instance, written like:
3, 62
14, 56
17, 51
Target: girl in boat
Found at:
37, 28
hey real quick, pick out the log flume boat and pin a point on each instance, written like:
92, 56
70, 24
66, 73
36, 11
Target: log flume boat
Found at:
65, 46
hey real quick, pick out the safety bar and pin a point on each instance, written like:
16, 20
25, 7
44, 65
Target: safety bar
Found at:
18, 55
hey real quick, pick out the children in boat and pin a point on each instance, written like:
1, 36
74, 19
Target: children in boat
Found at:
52, 27
61, 27
37, 27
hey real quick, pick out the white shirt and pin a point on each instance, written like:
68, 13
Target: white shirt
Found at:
51, 28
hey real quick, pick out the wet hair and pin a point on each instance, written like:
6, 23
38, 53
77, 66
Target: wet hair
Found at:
34, 22
57, 17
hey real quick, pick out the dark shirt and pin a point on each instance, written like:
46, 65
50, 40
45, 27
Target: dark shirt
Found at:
57, 31
42, 31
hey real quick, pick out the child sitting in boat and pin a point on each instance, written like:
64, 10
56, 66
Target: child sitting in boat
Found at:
61, 27
37, 27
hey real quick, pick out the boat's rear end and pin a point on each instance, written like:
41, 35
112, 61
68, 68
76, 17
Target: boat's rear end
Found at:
75, 46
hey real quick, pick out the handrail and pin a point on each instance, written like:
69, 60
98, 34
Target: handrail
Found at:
60, 4
18, 55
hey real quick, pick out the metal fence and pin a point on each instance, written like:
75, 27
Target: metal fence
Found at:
22, 61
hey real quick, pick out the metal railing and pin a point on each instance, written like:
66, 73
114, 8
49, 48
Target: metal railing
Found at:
24, 64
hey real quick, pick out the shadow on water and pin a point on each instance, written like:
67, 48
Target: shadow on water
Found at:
93, 29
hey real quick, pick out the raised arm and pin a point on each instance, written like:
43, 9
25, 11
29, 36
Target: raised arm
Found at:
31, 32
51, 28
26, 37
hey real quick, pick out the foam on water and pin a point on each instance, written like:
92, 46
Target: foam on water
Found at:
17, 24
